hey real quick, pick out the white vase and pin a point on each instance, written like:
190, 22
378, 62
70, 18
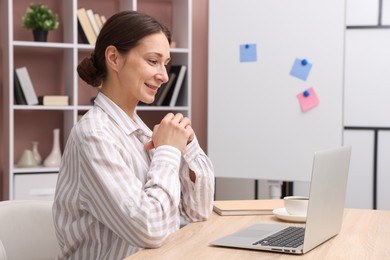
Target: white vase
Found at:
27, 159
54, 158
35, 152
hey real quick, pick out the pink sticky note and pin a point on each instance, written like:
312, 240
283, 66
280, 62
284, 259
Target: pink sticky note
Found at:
308, 99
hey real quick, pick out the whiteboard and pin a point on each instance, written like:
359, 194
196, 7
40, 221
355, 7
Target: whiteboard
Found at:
256, 127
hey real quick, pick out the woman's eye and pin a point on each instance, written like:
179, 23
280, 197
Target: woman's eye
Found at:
153, 61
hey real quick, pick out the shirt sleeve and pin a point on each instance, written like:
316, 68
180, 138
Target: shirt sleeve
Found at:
143, 215
196, 198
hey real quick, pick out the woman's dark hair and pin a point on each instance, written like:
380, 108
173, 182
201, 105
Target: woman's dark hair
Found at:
123, 30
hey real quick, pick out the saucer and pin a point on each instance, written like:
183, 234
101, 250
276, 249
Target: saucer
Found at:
282, 214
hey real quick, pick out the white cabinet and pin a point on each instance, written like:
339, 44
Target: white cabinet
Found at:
360, 191
383, 168
52, 67
234, 189
385, 12
36, 186
369, 174
366, 107
367, 78
362, 12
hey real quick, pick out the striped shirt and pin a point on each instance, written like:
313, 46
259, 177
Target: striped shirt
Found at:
114, 198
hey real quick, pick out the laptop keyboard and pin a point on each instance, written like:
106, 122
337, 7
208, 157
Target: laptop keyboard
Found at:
288, 237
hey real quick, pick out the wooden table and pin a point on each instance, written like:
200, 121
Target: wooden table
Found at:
365, 234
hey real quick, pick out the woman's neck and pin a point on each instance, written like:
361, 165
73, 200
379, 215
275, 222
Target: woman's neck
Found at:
120, 100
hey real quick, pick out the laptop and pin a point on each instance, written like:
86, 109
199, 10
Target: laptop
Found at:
324, 214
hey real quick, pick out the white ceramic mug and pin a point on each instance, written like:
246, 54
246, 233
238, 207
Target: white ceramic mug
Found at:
296, 205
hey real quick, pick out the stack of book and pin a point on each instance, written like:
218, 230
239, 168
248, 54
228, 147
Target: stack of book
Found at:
89, 25
247, 207
53, 100
24, 92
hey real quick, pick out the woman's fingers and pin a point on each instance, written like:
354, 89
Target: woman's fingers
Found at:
174, 129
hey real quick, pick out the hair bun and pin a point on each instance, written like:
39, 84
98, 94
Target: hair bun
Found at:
89, 73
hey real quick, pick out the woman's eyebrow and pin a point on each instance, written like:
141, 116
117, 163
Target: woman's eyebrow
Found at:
160, 55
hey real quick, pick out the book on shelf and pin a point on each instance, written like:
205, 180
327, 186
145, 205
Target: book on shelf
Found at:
163, 91
86, 31
247, 207
103, 18
83, 36
92, 20
24, 79
173, 93
178, 85
18, 92
98, 21
54, 100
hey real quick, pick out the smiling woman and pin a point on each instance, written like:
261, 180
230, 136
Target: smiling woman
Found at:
122, 186
137, 75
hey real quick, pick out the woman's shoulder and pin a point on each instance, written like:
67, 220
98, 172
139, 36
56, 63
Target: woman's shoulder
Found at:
95, 116
95, 120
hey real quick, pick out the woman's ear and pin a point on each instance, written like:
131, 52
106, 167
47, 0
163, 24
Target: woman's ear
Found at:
112, 57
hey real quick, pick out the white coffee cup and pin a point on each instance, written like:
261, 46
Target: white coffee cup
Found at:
296, 205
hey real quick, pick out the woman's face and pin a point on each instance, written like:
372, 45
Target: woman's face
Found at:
144, 68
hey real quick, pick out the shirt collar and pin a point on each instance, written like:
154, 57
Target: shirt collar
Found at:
128, 125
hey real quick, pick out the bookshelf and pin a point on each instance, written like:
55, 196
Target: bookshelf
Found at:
52, 68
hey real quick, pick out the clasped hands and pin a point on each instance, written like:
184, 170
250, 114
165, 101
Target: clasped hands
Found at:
173, 130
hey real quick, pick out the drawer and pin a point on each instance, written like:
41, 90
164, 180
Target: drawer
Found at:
35, 186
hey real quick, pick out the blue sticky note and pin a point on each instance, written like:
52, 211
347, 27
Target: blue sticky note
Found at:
248, 53
301, 69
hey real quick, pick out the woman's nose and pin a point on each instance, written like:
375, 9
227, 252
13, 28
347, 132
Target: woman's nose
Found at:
163, 75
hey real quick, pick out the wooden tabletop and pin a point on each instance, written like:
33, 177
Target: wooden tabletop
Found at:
365, 234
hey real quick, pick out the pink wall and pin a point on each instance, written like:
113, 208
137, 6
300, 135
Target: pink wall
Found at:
199, 73
1, 115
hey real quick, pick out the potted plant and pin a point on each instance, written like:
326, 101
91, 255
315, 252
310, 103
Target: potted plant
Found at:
40, 19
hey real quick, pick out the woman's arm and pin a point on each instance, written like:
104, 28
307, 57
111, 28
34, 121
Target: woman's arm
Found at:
143, 215
197, 197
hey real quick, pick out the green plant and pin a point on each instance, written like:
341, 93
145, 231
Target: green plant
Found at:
39, 16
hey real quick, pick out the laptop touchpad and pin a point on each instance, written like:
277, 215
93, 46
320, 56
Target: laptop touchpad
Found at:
258, 231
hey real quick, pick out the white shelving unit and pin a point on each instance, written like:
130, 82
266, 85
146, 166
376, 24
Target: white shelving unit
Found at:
64, 56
